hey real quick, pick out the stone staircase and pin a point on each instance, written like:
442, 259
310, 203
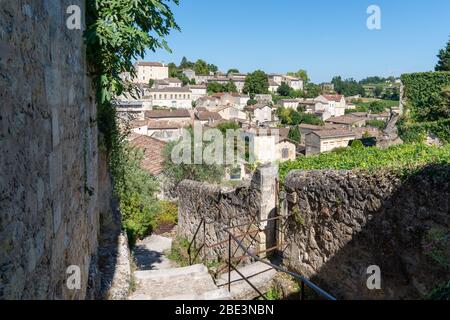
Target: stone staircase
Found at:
157, 278
258, 273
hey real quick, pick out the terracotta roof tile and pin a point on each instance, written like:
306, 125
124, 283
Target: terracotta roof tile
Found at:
153, 160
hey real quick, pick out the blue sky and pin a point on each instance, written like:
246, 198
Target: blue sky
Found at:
325, 37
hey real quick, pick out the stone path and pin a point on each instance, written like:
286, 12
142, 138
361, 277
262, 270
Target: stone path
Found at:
157, 278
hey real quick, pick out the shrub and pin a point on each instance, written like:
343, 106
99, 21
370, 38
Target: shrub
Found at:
357, 144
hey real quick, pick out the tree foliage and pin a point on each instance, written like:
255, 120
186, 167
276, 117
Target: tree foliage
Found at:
118, 32
443, 63
301, 74
294, 134
215, 87
256, 83
348, 87
291, 117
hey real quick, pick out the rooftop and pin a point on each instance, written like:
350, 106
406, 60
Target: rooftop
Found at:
149, 64
153, 160
333, 133
179, 113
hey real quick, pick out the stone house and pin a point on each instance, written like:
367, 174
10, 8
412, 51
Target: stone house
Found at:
146, 71
179, 98
180, 115
320, 141
189, 73
231, 113
289, 103
293, 82
153, 153
334, 104
259, 113
269, 145
273, 86
207, 117
198, 91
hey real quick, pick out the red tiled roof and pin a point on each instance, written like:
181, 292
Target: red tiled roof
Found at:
179, 113
207, 115
153, 160
333, 97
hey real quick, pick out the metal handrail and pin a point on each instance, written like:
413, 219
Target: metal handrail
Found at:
193, 241
302, 279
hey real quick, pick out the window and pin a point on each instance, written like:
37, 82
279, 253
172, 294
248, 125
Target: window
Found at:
285, 153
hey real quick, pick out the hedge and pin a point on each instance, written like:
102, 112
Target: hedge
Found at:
417, 132
424, 94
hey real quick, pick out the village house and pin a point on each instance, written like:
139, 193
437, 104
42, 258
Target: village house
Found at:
198, 91
277, 78
259, 113
231, 113
264, 98
219, 100
146, 71
294, 83
189, 73
207, 117
333, 104
320, 141
270, 145
273, 86
179, 98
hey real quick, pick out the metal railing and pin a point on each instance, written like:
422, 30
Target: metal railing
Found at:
239, 240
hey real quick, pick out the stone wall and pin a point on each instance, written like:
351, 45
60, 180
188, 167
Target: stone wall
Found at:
249, 203
343, 222
52, 191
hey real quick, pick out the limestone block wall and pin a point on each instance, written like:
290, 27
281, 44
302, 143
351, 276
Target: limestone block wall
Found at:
51, 194
343, 222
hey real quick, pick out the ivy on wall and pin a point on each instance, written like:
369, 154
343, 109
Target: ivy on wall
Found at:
427, 95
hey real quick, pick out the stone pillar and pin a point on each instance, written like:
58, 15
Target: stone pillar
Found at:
265, 179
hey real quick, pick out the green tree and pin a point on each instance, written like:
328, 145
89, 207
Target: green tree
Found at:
284, 90
301, 74
231, 87
186, 64
212, 68
256, 83
214, 87
233, 70
151, 83
444, 59
312, 90
201, 67
294, 134
377, 91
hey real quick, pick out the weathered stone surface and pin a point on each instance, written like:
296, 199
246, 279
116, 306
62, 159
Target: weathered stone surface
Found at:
49, 155
346, 221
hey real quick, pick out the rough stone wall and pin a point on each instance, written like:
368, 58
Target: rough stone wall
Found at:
219, 207
51, 190
343, 222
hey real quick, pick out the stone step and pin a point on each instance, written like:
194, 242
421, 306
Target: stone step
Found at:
167, 273
258, 273
193, 281
149, 253
217, 294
